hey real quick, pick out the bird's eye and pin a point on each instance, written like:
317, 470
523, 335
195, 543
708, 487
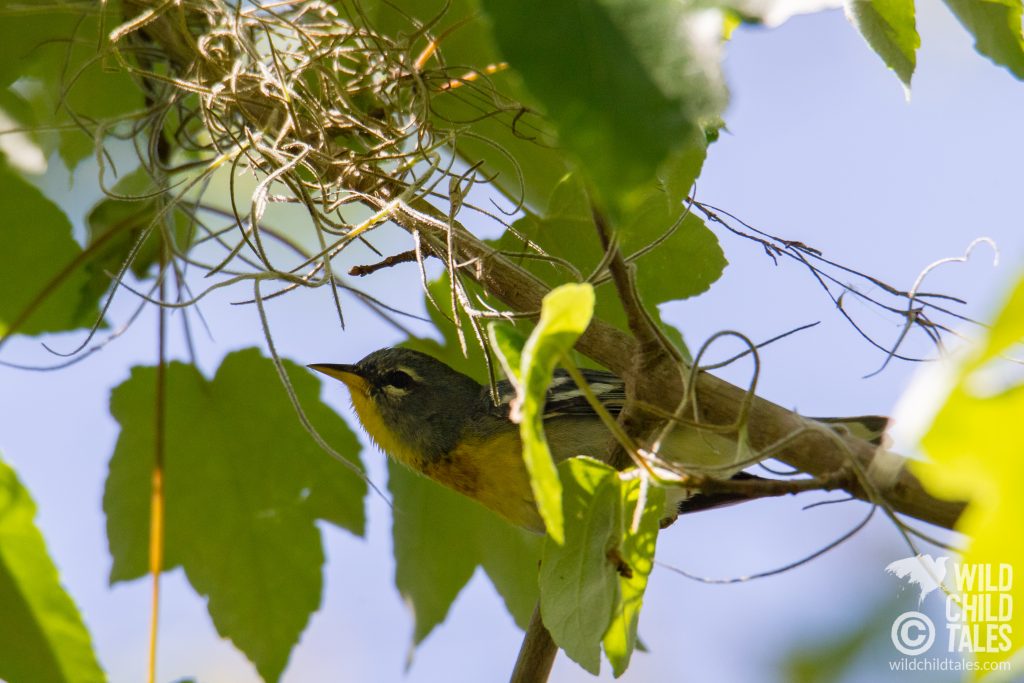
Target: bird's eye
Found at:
398, 379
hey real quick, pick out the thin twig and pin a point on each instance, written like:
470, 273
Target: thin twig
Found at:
404, 257
156, 515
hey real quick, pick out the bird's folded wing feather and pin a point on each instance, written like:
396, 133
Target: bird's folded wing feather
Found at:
565, 398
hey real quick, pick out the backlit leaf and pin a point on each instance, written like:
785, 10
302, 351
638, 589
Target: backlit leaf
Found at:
565, 314
889, 28
976, 453
996, 27
636, 553
43, 637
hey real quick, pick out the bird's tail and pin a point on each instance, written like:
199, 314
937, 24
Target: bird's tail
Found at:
709, 501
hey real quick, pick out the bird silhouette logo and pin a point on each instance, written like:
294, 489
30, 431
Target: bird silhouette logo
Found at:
924, 571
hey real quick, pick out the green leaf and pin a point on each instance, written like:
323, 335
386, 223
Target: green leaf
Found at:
976, 453
565, 314
636, 552
661, 275
1008, 328
37, 255
66, 55
889, 28
678, 174
683, 265
433, 545
44, 638
509, 341
244, 485
511, 558
996, 27
578, 582
23, 33
592, 585
441, 537
115, 227
626, 82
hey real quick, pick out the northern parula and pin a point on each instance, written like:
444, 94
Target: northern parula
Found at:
446, 426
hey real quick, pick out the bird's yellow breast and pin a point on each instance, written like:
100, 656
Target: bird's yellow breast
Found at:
492, 473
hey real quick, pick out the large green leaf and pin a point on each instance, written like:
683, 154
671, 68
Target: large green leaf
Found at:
434, 546
579, 586
996, 27
976, 450
244, 486
626, 82
43, 638
441, 537
37, 255
890, 29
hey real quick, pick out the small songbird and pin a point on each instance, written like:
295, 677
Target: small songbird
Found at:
446, 426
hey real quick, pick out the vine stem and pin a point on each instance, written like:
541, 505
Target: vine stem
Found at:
156, 512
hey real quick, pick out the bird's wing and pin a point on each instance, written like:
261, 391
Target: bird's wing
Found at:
565, 398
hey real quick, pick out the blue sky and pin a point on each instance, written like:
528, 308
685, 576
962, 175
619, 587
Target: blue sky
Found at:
823, 148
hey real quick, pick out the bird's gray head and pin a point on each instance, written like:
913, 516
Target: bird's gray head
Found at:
409, 401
